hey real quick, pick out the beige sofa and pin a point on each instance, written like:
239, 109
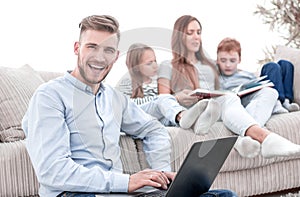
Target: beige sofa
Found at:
248, 177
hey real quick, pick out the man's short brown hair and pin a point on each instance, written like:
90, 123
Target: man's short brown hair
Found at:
100, 22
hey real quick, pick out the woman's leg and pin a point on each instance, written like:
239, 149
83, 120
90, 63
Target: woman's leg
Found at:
193, 114
208, 117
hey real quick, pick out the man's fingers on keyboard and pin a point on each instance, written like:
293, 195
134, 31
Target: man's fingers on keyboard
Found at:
159, 178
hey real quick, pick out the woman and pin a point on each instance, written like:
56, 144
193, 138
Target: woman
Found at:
141, 87
190, 69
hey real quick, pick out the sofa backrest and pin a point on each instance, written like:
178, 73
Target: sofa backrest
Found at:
293, 55
16, 88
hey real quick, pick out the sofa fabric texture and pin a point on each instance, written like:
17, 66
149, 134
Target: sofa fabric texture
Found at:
293, 55
247, 177
16, 89
17, 177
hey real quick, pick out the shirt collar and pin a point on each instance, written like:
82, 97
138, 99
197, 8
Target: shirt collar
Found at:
80, 85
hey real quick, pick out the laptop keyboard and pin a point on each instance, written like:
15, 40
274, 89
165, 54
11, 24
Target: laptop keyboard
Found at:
156, 193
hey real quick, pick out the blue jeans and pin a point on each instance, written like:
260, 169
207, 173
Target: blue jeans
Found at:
282, 75
219, 193
164, 108
211, 193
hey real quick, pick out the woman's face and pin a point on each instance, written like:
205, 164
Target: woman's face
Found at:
148, 66
193, 36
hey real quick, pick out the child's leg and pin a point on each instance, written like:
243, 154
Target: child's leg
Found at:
279, 109
287, 72
273, 71
247, 147
290, 106
164, 108
260, 104
287, 69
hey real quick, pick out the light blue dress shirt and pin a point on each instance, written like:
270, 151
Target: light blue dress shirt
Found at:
72, 137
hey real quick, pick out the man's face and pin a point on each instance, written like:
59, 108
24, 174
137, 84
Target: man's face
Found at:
97, 52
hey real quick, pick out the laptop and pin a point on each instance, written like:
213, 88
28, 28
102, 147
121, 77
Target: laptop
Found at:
197, 172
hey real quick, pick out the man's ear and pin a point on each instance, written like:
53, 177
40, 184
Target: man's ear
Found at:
76, 48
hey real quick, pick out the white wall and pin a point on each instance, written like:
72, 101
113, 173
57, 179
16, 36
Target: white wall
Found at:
41, 33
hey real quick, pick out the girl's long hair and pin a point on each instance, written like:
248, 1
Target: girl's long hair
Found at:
133, 60
184, 74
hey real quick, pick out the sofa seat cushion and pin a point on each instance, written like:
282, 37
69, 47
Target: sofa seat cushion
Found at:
284, 124
16, 88
16, 172
129, 155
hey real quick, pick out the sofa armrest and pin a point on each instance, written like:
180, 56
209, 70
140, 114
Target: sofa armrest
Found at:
293, 55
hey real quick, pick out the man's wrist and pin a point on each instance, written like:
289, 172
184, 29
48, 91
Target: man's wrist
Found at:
121, 182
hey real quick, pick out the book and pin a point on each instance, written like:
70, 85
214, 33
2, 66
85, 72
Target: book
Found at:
205, 94
241, 90
252, 86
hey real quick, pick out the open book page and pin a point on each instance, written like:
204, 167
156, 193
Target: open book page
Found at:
249, 90
204, 93
252, 86
249, 84
241, 90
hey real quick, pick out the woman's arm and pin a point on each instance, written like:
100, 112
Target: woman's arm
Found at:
163, 86
182, 97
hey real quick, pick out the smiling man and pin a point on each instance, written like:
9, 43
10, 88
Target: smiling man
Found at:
73, 125
97, 52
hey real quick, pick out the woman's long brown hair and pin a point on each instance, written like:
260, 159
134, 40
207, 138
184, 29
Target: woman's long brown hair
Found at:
184, 74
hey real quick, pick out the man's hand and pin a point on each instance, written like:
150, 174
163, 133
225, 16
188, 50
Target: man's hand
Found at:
170, 175
184, 99
149, 177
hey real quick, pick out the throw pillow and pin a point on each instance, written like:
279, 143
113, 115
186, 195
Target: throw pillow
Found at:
293, 55
16, 88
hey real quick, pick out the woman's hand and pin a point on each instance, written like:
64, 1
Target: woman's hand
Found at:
184, 99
